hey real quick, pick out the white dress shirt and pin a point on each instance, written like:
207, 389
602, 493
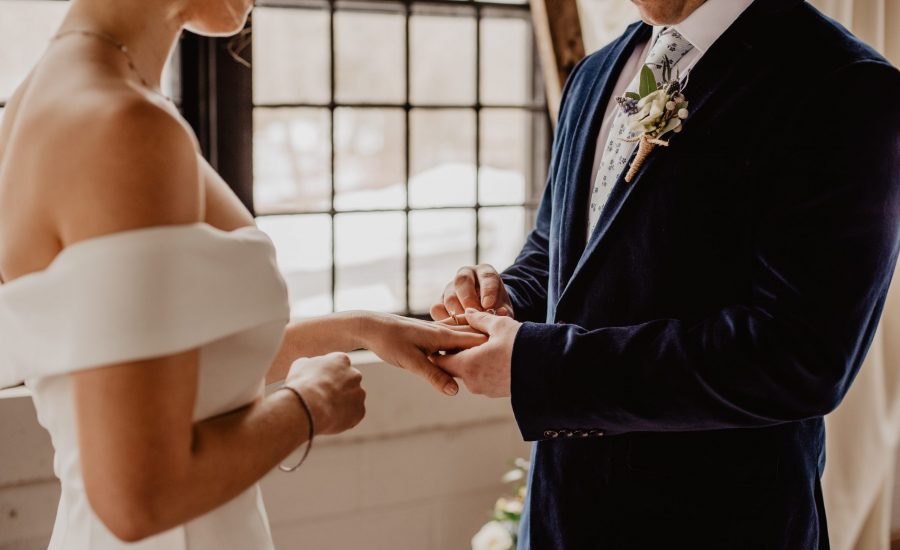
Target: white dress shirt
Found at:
701, 28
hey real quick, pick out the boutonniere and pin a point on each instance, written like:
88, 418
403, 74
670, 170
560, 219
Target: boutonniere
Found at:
658, 108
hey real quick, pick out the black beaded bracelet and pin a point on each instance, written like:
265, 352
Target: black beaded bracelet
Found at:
312, 431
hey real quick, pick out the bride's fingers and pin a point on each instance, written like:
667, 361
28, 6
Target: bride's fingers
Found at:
461, 328
439, 312
448, 322
441, 381
454, 321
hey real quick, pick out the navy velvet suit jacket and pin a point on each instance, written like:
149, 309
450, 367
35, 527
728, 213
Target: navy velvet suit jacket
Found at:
675, 368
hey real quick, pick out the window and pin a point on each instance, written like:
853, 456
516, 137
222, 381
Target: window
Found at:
393, 142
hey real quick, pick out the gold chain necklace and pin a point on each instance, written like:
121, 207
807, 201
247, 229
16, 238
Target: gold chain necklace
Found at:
119, 46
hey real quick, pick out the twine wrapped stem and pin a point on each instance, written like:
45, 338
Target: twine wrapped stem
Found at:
645, 146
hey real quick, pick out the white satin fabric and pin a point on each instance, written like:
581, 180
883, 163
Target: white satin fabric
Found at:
137, 295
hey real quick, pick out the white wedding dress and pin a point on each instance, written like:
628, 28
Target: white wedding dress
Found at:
137, 295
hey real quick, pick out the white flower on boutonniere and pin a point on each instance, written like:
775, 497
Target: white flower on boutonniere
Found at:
658, 109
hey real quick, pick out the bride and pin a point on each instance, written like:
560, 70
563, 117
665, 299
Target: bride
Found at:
143, 308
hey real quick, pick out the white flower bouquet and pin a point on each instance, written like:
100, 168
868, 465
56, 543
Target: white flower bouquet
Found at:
502, 531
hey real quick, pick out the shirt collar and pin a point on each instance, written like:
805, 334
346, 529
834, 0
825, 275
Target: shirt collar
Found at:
708, 22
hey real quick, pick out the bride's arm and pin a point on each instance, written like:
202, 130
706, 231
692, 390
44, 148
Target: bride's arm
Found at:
147, 465
402, 342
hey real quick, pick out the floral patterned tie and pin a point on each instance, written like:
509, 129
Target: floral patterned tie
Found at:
669, 45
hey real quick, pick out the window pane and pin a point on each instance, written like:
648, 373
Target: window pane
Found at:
443, 158
369, 165
501, 235
506, 61
367, 74
25, 28
442, 53
291, 160
291, 63
441, 242
303, 245
371, 261
506, 137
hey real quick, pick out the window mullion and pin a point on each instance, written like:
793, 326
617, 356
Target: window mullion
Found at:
407, 161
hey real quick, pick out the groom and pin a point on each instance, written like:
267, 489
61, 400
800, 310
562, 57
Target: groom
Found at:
672, 343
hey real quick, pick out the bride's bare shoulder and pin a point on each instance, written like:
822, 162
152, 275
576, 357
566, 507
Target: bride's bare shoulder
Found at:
119, 161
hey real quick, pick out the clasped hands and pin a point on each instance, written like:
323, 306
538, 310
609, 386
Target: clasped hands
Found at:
471, 339
477, 298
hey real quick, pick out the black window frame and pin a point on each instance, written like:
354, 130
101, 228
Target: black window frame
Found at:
476, 9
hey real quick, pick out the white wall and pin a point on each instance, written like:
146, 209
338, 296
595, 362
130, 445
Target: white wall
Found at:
421, 472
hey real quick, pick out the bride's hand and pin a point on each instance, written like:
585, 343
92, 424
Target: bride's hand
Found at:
332, 389
408, 344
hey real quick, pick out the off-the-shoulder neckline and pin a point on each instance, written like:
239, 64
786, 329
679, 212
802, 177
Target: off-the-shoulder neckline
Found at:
93, 241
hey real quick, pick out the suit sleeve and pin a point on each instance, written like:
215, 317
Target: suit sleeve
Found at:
527, 280
821, 265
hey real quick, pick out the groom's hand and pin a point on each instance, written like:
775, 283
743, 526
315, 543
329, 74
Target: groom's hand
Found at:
486, 369
476, 287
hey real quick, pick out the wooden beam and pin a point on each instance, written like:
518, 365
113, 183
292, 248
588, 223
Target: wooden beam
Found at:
557, 29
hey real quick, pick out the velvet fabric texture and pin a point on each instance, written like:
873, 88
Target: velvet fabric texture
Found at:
674, 369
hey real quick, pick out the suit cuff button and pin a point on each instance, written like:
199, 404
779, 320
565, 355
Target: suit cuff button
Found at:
566, 433
552, 434
596, 433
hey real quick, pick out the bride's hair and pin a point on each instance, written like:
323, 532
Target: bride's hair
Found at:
239, 43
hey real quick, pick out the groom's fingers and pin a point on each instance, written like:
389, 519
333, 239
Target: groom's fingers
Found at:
489, 284
435, 376
466, 282
451, 302
481, 321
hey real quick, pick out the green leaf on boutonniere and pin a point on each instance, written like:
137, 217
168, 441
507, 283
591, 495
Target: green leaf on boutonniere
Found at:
633, 96
648, 82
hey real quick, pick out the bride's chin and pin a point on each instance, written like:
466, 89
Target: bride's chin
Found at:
216, 31
228, 21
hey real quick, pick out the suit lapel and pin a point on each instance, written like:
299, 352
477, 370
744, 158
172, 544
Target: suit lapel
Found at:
706, 78
586, 130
